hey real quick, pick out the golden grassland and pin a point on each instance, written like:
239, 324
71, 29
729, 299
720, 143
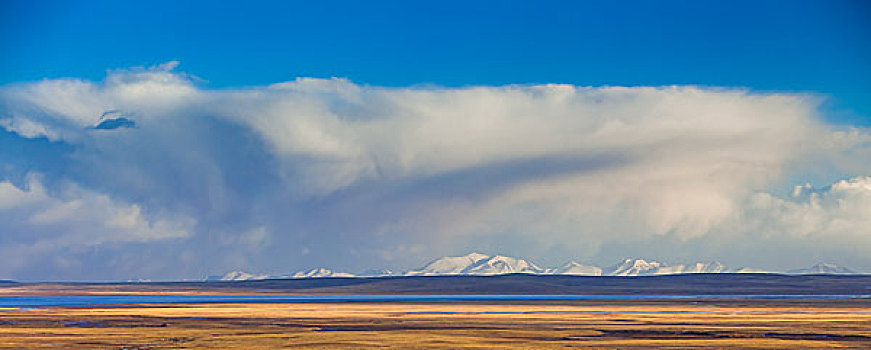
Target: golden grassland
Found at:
750, 324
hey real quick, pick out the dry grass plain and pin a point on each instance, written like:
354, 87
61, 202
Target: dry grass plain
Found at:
638, 324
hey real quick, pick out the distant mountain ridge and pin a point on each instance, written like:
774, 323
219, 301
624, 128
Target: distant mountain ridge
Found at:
822, 268
484, 265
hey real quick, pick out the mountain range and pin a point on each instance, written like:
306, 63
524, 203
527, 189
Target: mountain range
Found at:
483, 265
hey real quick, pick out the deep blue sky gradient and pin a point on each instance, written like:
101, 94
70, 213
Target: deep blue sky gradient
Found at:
814, 46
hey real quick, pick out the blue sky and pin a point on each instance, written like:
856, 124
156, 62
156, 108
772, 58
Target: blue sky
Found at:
279, 136
817, 46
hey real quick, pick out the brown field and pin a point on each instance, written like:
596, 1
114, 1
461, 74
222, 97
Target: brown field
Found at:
728, 324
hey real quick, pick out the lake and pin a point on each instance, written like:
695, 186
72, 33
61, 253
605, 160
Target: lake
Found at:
128, 300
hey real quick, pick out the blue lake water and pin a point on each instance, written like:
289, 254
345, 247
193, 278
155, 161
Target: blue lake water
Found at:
130, 300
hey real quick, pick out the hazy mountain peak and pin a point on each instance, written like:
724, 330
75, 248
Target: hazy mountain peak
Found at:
822, 268
377, 273
749, 270
575, 268
698, 267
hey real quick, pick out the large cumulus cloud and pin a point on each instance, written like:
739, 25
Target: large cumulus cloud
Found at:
325, 171
38, 225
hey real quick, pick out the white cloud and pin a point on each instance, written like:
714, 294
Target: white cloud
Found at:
840, 210
317, 161
95, 217
37, 223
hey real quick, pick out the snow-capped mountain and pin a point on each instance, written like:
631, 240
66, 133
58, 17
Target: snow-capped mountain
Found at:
241, 276
476, 264
320, 272
699, 267
633, 267
499, 264
575, 268
482, 264
246, 276
822, 268
640, 267
449, 265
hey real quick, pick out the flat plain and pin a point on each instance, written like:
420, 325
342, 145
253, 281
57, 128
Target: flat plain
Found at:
649, 323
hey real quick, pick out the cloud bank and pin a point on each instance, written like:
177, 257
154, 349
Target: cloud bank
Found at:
328, 172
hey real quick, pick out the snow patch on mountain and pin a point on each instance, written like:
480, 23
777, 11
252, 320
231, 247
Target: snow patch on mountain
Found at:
319, 273
242, 276
633, 267
449, 265
498, 265
699, 267
574, 268
749, 270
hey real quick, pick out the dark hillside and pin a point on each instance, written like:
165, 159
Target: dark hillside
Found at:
561, 284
